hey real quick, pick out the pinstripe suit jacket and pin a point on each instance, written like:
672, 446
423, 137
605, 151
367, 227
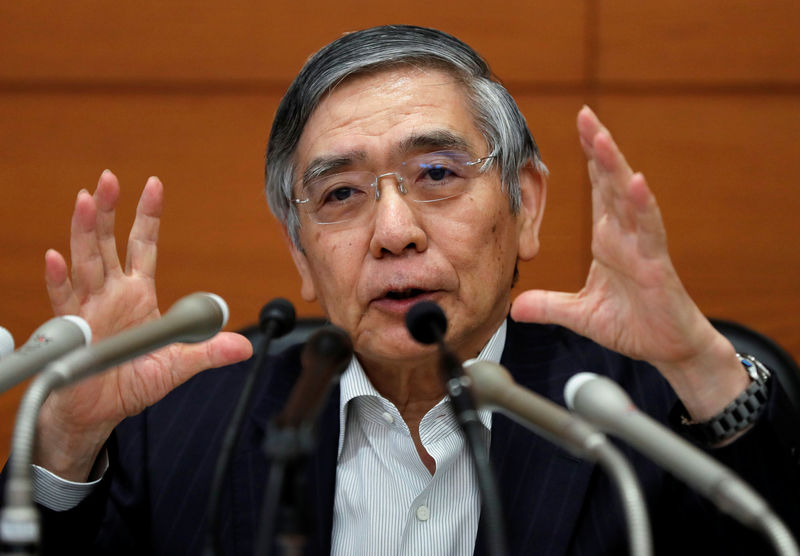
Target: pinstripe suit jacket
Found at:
153, 498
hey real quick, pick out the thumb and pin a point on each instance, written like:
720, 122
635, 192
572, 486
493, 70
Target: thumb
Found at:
547, 307
223, 349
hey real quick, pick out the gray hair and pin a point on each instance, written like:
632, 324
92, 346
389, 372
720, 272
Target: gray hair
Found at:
496, 114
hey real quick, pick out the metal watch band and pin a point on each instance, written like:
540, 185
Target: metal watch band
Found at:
739, 414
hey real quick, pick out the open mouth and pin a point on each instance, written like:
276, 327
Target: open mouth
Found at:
404, 294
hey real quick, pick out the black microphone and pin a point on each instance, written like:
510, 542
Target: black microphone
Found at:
290, 441
275, 319
427, 323
56, 337
193, 318
325, 356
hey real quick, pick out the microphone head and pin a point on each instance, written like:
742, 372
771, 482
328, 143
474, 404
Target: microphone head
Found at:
574, 384
199, 315
82, 325
6, 342
280, 312
426, 322
331, 345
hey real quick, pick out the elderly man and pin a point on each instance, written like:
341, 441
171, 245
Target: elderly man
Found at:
401, 172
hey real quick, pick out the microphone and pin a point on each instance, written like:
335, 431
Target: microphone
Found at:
494, 387
275, 319
290, 441
325, 356
193, 318
6, 342
427, 324
607, 405
50, 341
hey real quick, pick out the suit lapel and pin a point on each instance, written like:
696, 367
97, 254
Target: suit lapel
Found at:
542, 487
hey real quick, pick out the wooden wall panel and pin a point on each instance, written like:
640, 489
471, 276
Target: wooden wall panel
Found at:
252, 41
724, 171
711, 42
563, 261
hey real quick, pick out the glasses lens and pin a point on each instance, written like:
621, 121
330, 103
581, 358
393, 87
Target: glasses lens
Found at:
340, 197
438, 175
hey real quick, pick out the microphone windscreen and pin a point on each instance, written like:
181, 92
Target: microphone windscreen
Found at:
279, 311
426, 322
6, 342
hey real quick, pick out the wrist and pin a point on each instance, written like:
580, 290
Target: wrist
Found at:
738, 416
66, 451
709, 381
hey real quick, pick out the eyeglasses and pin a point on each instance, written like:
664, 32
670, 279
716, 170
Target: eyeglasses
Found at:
425, 178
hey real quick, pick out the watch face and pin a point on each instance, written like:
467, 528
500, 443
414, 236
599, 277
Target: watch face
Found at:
754, 367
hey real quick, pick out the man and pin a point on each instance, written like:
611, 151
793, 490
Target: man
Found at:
401, 172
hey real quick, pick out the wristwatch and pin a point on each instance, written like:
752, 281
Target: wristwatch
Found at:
737, 415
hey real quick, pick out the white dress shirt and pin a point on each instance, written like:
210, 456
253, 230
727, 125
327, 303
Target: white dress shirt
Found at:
386, 501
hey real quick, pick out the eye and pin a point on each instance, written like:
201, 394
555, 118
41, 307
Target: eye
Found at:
341, 194
437, 172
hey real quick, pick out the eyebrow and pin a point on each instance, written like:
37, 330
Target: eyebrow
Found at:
324, 165
440, 139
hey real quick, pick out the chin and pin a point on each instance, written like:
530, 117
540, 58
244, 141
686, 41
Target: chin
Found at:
393, 347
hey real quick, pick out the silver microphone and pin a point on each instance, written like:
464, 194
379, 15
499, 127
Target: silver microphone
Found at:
193, 318
494, 387
50, 341
607, 405
6, 342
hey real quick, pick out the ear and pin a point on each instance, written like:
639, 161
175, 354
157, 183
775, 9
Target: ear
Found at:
307, 290
533, 187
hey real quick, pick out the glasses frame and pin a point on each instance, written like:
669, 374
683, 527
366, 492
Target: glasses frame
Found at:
401, 188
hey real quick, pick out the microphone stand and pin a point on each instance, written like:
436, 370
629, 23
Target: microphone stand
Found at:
427, 323
458, 388
276, 319
291, 441
283, 517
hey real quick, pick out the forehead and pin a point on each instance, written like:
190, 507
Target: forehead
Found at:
381, 115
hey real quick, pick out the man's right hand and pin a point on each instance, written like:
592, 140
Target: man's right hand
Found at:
75, 422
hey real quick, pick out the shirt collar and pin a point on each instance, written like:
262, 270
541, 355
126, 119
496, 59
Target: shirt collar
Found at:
354, 381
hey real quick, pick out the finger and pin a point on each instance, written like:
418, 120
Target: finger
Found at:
88, 275
59, 288
143, 239
223, 349
652, 235
588, 127
105, 197
548, 307
609, 172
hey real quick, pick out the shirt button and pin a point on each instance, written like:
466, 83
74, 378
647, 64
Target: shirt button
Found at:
388, 417
423, 513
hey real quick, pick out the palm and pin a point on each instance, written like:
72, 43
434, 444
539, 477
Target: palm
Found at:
112, 298
633, 301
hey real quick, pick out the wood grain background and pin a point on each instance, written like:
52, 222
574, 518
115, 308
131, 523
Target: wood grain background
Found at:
703, 97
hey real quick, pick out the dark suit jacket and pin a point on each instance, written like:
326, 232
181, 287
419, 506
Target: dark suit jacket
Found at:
153, 498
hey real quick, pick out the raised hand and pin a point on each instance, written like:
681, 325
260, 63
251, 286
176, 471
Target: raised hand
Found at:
633, 301
76, 421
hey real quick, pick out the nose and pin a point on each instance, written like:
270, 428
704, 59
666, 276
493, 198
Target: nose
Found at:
396, 227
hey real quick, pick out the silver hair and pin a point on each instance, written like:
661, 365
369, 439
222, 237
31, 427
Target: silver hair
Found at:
496, 114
